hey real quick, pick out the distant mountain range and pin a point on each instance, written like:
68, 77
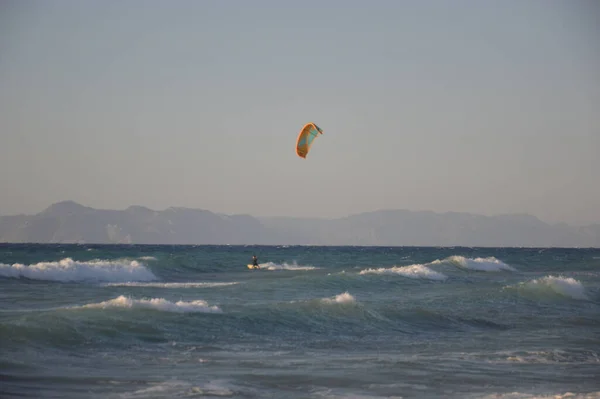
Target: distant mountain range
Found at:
70, 222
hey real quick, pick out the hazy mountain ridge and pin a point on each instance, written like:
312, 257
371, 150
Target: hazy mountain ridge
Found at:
70, 222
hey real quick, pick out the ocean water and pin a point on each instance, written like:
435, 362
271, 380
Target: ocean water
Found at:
94, 321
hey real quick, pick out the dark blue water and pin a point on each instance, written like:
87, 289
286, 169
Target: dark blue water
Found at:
86, 321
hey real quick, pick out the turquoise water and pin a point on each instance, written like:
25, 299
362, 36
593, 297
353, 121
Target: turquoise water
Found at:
93, 321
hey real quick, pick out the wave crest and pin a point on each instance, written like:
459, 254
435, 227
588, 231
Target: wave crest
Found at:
555, 285
161, 304
69, 270
412, 271
489, 264
343, 298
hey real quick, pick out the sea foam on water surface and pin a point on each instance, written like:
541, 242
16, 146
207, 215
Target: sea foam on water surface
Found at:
69, 270
161, 304
178, 388
554, 356
174, 285
412, 271
519, 395
284, 266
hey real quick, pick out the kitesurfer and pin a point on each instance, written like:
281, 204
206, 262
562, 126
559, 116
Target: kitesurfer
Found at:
254, 261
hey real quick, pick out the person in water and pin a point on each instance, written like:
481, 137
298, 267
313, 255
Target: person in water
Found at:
254, 261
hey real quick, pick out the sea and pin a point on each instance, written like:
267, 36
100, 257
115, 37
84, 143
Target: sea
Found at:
144, 321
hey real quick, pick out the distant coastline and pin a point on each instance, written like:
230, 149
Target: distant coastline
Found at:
69, 222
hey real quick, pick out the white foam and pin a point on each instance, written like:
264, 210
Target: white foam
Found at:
147, 258
564, 286
489, 264
341, 298
412, 271
161, 304
171, 285
519, 395
177, 388
67, 270
345, 394
284, 266
553, 357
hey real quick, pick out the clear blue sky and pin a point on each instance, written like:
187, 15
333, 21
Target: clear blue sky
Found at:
478, 106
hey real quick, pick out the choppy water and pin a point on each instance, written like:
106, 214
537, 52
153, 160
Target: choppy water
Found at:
316, 322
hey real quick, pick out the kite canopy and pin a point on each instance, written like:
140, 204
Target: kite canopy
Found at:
305, 139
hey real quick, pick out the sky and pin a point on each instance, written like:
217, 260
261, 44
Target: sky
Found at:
487, 107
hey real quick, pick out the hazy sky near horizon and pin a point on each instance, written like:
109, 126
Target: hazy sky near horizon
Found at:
447, 105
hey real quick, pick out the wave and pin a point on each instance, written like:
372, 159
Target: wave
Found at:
160, 304
344, 311
69, 270
489, 264
284, 266
428, 319
343, 298
412, 271
553, 286
172, 285
147, 258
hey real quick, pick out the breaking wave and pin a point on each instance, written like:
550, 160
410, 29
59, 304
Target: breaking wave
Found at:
553, 286
489, 264
69, 270
160, 304
341, 298
412, 271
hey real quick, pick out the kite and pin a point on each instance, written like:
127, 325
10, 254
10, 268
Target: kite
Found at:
307, 135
